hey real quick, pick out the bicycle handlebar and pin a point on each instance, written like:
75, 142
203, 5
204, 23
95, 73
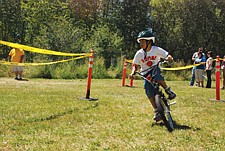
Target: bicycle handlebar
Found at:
151, 68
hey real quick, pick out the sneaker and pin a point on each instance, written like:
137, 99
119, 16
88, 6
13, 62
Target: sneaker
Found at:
171, 94
157, 117
20, 78
16, 78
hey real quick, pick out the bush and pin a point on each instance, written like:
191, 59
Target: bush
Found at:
99, 69
67, 70
39, 72
78, 69
4, 70
105, 43
116, 71
70, 70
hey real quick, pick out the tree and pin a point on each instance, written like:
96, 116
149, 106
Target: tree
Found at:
106, 43
128, 18
49, 25
11, 22
167, 25
86, 11
180, 26
184, 25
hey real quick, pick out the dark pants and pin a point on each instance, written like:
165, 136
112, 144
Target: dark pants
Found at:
209, 80
192, 76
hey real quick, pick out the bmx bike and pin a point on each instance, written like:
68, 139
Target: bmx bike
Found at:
162, 103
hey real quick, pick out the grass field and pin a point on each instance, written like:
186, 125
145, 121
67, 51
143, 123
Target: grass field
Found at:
41, 114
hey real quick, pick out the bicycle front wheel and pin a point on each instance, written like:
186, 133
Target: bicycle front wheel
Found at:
164, 111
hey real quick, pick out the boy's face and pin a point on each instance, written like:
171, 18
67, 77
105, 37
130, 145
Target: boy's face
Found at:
143, 43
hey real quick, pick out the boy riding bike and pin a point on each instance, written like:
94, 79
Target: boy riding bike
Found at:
146, 57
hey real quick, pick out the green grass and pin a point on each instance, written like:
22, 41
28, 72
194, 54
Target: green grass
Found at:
42, 114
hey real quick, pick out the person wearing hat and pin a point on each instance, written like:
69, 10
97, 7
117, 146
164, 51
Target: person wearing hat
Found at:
149, 55
16, 55
208, 69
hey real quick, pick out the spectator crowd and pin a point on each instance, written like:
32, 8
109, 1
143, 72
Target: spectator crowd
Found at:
204, 64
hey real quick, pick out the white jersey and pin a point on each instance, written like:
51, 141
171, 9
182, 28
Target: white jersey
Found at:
195, 55
209, 62
152, 57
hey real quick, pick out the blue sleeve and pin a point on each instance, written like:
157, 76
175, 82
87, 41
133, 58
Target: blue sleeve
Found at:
203, 59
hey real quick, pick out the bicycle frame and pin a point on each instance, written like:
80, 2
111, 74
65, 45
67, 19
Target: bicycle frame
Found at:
163, 106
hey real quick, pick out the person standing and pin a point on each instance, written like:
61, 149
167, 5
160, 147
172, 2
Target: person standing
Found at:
194, 56
200, 69
17, 55
208, 69
223, 70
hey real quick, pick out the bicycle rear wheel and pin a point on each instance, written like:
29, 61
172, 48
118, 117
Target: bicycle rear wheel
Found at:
164, 111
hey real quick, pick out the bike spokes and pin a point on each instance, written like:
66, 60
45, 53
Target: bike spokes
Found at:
164, 111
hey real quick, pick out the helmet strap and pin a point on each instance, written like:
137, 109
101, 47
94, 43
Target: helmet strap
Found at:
147, 44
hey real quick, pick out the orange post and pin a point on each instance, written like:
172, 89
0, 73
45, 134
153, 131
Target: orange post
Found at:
217, 78
89, 74
131, 80
124, 73
89, 79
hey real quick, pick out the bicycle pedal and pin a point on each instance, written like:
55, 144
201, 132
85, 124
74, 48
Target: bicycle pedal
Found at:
172, 103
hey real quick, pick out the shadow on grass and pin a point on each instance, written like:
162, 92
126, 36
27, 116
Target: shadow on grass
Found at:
131, 86
54, 116
57, 115
177, 126
22, 79
181, 126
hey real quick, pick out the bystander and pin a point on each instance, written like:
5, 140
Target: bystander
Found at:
16, 55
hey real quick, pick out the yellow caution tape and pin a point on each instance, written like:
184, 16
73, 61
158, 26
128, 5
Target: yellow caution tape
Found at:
130, 61
173, 69
180, 68
38, 50
39, 64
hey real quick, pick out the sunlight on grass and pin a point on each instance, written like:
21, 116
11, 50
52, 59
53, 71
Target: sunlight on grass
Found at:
48, 115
